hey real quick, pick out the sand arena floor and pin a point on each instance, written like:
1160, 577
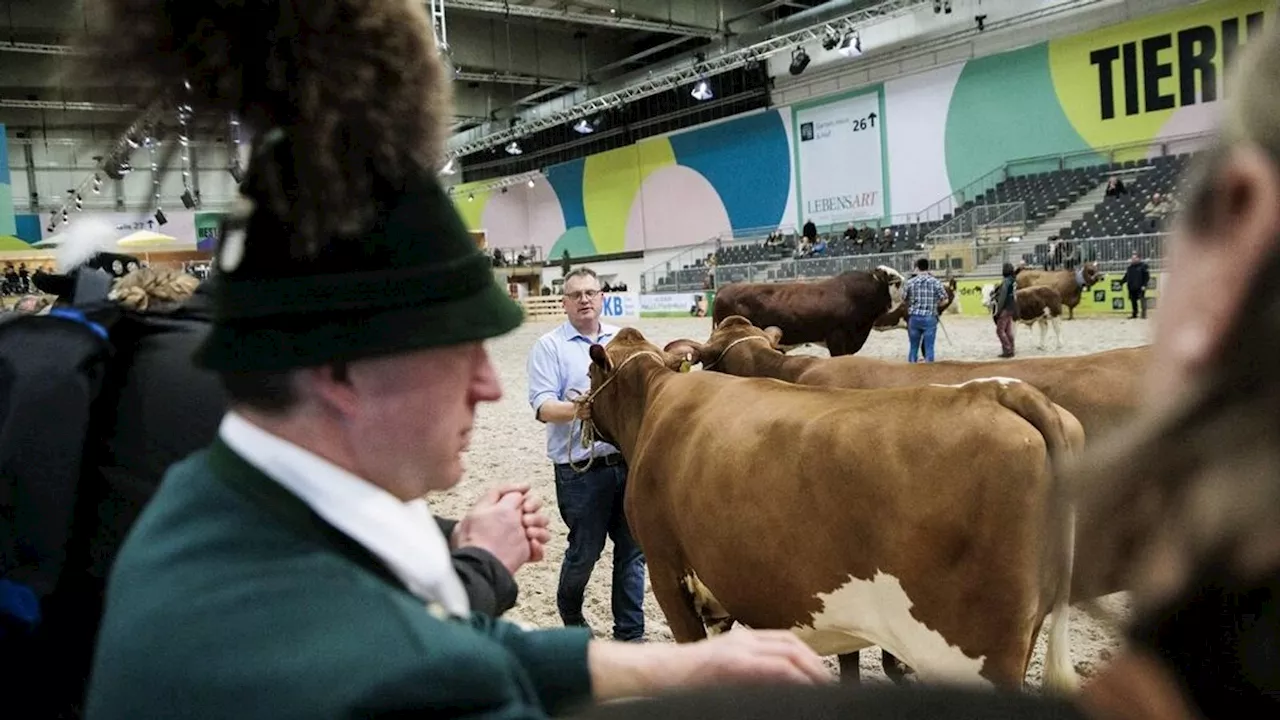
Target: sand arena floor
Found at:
509, 445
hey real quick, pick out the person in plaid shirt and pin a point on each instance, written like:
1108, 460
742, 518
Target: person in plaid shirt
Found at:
923, 294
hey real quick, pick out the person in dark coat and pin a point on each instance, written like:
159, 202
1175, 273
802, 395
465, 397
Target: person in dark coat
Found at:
1136, 278
159, 408
1005, 309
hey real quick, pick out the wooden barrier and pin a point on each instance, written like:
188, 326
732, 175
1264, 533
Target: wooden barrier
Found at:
540, 307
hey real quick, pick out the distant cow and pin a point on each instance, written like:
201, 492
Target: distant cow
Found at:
1039, 304
896, 319
1070, 284
819, 510
838, 311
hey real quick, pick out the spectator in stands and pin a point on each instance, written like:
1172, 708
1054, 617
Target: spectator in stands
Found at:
851, 233
1116, 188
810, 232
1155, 212
819, 248
887, 240
1136, 278
923, 294
774, 239
699, 307
1005, 309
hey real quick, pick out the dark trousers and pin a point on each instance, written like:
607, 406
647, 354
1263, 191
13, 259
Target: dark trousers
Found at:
591, 505
1136, 300
1004, 331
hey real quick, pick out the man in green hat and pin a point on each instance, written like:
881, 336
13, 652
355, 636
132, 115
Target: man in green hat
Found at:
292, 568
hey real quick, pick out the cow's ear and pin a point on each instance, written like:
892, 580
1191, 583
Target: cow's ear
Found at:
599, 357
774, 333
683, 350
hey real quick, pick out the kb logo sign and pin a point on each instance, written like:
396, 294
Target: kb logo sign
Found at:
618, 305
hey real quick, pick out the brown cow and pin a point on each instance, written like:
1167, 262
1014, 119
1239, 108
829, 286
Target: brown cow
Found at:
1038, 304
838, 311
1069, 283
908, 518
896, 319
1101, 390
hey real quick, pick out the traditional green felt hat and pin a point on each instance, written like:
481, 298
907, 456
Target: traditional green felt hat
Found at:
414, 279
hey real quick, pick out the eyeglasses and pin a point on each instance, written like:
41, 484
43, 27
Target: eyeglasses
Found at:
578, 295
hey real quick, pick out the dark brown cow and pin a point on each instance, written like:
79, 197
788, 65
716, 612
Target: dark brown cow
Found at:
1070, 284
1038, 304
838, 311
910, 518
896, 319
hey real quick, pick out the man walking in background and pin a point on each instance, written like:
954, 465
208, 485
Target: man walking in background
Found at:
1005, 309
923, 294
590, 481
1136, 278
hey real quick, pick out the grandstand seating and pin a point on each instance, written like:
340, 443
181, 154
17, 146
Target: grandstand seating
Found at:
1120, 216
1044, 195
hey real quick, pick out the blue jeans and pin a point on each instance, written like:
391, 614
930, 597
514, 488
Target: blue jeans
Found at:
921, 330
591, 505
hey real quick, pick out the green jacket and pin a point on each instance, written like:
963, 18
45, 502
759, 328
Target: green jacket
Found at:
232, 599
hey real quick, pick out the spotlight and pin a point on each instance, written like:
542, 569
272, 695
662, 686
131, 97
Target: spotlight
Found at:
188, 202
799, 61
97, 184
448, 168
702, 91
513, 148
160, 218
471, 196
79, 202
584, 126
982, 22
851, 45
236, 173
531, 183
830, 40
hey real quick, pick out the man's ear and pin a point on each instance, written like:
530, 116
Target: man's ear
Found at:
330, 385
683, 349
600, 358
774, 333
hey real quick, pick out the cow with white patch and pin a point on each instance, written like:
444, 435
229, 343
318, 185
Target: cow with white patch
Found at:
1037, 305
1070, 284
812, 509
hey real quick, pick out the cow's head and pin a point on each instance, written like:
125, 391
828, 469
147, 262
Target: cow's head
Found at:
619, 373
1091, 274
733, 348
892, 279
988, 295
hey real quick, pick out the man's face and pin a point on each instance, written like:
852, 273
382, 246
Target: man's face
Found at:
1237, 225
411, 415
582, 299
1134, 260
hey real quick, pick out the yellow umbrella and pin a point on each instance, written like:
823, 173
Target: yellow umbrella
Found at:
146, 238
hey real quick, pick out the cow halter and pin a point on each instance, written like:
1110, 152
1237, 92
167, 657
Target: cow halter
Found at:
588, 434
713, 363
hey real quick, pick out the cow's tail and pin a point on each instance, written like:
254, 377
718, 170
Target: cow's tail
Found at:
1064, 439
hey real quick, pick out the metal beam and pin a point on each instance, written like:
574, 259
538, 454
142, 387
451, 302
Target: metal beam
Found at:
39, 48
493, 76
610, 19
71, 106
721, 63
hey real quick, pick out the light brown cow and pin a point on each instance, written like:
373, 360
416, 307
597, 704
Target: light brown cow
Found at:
1038, 304
1070, 284
1101, 390
912, 519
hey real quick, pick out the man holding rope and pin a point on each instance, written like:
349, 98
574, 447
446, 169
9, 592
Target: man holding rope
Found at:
591, 479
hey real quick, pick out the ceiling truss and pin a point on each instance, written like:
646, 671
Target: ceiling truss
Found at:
609, 19
716, 65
